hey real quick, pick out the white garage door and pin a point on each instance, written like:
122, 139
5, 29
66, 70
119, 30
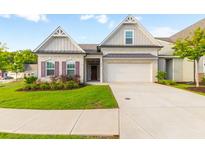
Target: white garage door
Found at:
129, 73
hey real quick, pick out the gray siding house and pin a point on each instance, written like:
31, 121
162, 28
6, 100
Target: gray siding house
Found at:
129, 54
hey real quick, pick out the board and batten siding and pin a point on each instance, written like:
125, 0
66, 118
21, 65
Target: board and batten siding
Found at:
59, 44
62, 58
140, 37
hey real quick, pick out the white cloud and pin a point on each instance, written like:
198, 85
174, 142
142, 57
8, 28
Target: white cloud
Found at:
33, 17
102, 18
30, 17
163, 31
86, 17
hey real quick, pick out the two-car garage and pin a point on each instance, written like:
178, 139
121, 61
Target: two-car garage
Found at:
129, 70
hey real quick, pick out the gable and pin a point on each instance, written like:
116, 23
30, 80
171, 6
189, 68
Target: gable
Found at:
59, 42
188, 31
141, 35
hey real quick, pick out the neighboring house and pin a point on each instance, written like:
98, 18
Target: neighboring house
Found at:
29, 70
179, 69
129, 54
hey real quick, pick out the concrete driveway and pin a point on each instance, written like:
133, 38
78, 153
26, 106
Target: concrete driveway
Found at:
155, 111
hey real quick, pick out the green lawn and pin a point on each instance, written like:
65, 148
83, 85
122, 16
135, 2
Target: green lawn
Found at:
185, 86
29, 136
88, 97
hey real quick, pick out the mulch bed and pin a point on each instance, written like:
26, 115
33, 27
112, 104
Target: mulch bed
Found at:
197, 89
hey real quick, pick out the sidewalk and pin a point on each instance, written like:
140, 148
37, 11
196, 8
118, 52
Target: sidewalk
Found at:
102, 122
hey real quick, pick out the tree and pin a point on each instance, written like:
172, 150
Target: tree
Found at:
4, 59
28, 56
18, 63
193, 48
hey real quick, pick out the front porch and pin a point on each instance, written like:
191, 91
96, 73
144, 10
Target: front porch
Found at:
93, 70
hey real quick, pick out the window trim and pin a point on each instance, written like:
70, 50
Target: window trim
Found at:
133, 34
49, 61
70, 62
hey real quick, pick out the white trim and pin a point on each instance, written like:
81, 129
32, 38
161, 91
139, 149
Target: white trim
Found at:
133, 36
53, 34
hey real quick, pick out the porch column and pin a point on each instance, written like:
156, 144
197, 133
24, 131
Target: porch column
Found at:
101, 69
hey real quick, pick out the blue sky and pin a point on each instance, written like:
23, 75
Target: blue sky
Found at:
28, 31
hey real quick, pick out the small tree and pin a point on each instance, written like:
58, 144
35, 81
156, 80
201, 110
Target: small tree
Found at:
192, 48
18, 64
4, 58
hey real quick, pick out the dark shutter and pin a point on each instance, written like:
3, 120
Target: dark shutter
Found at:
77, 66
63, 68
43, 69
56, 68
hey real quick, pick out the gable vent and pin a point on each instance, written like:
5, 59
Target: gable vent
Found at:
130, 19
59, 32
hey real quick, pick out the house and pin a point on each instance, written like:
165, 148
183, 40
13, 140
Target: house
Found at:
176, 68
128, 54
29, 70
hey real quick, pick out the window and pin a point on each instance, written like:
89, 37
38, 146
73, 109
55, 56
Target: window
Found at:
129, 37
50, 68
70, 68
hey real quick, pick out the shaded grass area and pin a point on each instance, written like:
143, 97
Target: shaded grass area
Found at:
30, 136
191, 87
88, 97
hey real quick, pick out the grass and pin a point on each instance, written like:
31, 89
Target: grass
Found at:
30, 136
88, 97
185, 86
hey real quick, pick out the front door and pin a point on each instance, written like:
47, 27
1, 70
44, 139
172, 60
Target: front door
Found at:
94, 73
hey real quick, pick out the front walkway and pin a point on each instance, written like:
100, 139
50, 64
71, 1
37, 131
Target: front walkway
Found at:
150, 110
102, 122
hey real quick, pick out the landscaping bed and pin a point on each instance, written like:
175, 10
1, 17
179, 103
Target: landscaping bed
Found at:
191, 87
87, 97
197, 89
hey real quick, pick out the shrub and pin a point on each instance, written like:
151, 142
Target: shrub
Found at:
60, 85
203, 80
30, 79
77, 79
54, 86
63, 78
167, 82
44, 86
70, 78
34, 86
27, 87
71, 85
54, 78
161, 75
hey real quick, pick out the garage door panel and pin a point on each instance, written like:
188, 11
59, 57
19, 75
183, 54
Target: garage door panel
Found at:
128, 72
